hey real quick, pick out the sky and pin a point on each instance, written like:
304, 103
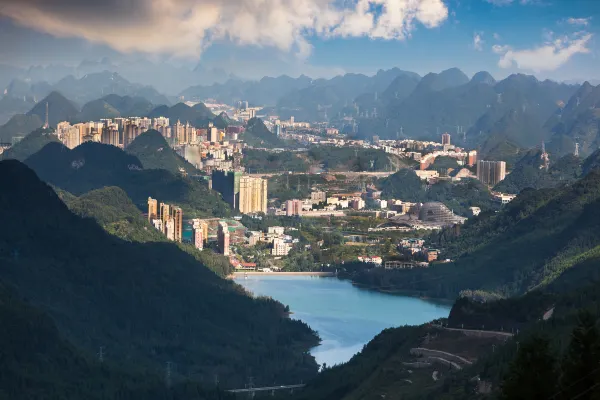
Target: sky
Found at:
555, 39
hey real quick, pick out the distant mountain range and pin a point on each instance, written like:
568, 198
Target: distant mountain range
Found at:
85, 89
499, 118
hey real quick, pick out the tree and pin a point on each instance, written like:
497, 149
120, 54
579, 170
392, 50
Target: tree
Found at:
582, 360
532, 375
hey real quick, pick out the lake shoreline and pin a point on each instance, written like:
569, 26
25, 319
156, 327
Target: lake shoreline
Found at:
258, 273
405, 293
345, 316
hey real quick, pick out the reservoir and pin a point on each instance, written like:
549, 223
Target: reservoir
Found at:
345, 316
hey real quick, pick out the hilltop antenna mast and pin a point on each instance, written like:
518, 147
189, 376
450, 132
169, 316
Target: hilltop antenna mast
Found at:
168, 374
576, 154
46, 124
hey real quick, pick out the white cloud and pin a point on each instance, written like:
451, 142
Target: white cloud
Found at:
186, 27
501, 3
496, 36
478, 41
579, 21
548, 57
498, 49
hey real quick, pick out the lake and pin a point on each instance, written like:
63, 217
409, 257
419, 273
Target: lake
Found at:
345, 316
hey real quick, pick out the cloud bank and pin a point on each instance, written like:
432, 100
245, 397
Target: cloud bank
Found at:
548, 57
186, 27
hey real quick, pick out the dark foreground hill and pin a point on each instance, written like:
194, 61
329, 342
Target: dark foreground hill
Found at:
93, 166
145, 303
37, 362
154, 152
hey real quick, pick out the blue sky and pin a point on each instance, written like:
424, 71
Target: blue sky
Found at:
556, 39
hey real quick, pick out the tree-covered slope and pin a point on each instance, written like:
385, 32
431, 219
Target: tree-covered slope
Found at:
146, 303
94, 166
19, 125
37, 362
31, 144
528, 172
257, 135
59, 109
154, 152
530, 243
116, 213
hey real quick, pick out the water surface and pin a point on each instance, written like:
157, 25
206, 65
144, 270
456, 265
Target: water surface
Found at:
345, 316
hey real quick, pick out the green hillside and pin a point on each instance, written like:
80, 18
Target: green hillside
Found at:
31, 144
528, 172
530, 243
59, 109
19, 125
153, 151
117, 214
94, 166
37, 362
257, 135
146, 303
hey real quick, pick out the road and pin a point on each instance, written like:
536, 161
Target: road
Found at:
346, 173
267, 389
474, 332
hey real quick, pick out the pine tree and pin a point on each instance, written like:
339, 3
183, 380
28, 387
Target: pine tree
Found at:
582, 361
532, 375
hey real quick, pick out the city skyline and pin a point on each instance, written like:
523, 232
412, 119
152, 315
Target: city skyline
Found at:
551, 39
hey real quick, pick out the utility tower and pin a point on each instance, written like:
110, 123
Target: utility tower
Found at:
576, 154
46, 124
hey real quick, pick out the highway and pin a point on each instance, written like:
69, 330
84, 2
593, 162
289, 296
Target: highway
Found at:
267, 389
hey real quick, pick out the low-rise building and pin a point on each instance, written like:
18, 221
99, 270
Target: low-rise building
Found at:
381, 203
357, 203
371, 260
280, 247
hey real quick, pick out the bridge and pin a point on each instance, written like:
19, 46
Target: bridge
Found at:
272, 389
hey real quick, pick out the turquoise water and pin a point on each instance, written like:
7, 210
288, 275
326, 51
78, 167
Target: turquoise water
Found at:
346, 317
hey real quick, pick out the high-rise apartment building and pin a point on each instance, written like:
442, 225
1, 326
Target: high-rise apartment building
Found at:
213, 133
293, 208
491, 172
178, 223
446, 139
472, 158
223, 238
198, 237
253, 195
165, 212
152, 209
228, 184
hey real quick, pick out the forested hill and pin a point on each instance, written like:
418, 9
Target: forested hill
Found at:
530, 173
117, 214
94, 166
37, 362
531, 242
145, 303
154, 152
